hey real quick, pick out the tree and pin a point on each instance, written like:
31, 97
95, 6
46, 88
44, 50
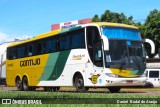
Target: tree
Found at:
151, 28
109, 16
96, 18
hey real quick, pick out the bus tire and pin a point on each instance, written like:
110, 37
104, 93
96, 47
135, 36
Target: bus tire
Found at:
54, 89
79, 84
25, 84
32, 88
114, 89
19, 84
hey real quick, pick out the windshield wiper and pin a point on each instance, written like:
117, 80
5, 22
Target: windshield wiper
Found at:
134, 56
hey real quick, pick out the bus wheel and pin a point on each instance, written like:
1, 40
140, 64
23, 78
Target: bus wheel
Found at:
32, 88
25, 84
46, 88
54, 89
19, 84
114, 89
79, 84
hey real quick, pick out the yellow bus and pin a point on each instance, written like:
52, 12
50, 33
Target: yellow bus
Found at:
100, 54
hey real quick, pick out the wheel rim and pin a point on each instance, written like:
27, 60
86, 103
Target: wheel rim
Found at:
80, 83
25, 84
18, 83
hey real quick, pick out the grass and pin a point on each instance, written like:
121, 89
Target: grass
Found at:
78, 96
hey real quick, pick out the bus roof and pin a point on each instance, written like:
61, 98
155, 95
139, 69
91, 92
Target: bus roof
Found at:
114, 25
51, 33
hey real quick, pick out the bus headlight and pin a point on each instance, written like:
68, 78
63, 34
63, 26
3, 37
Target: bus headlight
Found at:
111, 75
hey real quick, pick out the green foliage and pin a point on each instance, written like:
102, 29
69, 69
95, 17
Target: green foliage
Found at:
150, 29
109, 16
96, 18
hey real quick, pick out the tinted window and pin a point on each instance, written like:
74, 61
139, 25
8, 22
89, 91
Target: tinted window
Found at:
9, 55
14, 53
25, 50
20, 52
61, 42
92, 37
77, 39
98, 58
64, 41
38, 48
154, 74
31, 49
50, 45
43, 47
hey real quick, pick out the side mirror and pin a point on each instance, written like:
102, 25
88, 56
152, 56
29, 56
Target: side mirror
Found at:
105, 42
151, 43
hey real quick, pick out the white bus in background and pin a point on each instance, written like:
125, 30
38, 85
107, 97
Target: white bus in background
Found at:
153, 77
153, 74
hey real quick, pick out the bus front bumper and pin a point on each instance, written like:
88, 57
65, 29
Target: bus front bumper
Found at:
127, 82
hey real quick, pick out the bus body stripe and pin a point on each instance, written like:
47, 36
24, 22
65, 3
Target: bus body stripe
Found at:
55, 65
49, 66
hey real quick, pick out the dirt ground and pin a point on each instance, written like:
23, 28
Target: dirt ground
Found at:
134, 91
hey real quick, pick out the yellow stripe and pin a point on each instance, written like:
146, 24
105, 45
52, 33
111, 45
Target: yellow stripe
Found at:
124, 73
76, 58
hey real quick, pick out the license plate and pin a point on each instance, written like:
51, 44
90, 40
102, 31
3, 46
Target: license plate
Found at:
129, 81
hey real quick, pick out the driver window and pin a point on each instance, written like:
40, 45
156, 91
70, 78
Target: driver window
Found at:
92, 36
98, 59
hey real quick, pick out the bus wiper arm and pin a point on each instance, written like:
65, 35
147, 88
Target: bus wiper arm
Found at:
136, 60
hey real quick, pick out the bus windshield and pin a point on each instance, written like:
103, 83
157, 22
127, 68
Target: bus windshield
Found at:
126, 51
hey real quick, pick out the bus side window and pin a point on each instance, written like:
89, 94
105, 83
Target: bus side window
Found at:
57, 43
43, 51
20, 52
38, 48
25, 50
62, 41
48, 46
154, 74
15, 53
77, 39
30, 50
9, 53
51, 45
67, 41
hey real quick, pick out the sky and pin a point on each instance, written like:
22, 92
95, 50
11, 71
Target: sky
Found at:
21, 19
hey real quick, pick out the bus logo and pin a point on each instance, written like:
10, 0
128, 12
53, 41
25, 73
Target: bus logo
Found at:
94, 78
30, 62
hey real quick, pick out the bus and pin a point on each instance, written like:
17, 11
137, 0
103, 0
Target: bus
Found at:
153, 73
100, 54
